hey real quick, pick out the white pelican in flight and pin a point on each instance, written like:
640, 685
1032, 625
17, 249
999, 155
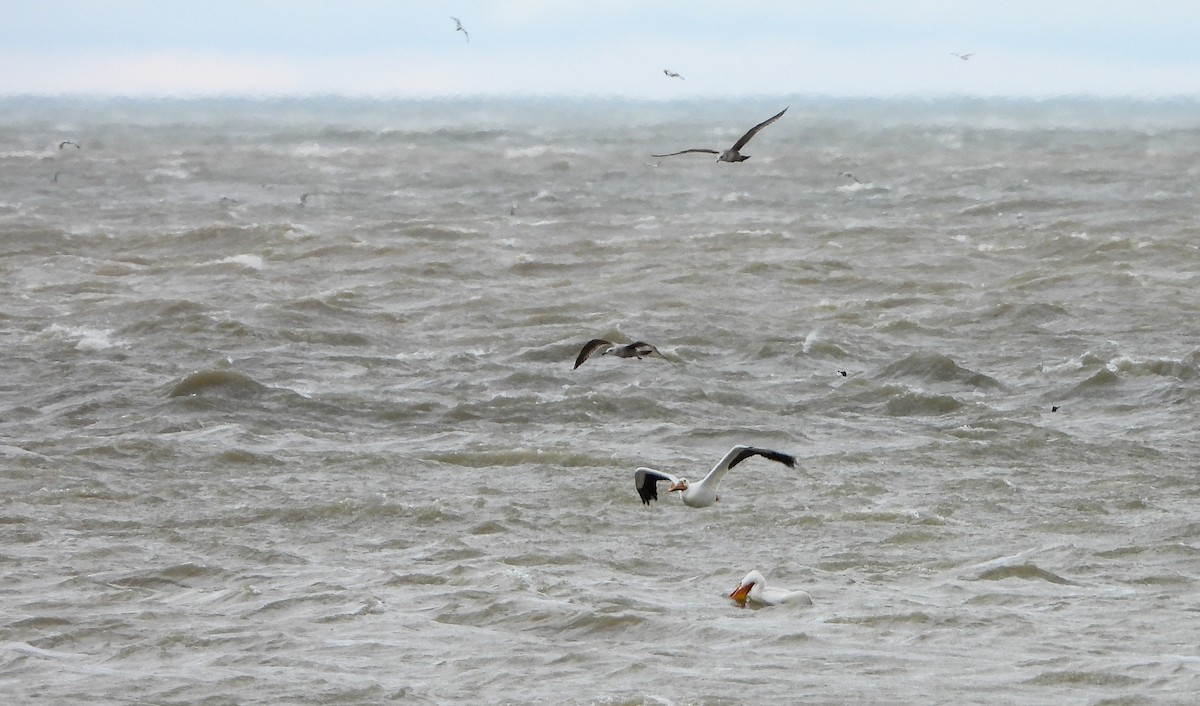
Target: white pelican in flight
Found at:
753, 589
704, 492
732, 154
637, 349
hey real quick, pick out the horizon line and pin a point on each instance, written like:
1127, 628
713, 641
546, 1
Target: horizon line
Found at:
731, 97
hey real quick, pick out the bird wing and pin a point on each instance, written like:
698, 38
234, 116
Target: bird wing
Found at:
685, 152
754, 130
740, 453
589, 348
786, 459
646, 481
643, 348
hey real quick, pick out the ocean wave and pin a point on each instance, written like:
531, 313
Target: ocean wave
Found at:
937, 368
224, 383
492, 458
903, 401
1024, 571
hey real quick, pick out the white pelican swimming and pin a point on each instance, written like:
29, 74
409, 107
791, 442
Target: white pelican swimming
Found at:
753, 589
732, 154
637, 349
704, 492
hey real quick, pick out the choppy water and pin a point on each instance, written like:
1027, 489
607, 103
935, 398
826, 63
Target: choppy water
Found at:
260, 450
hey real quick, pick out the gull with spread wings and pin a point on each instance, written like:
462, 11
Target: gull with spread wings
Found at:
637, 349
733, 154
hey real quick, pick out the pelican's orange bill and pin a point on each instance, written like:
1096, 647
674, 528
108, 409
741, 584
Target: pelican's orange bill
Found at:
741, 592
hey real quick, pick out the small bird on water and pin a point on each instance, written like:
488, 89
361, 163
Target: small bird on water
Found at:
732, 154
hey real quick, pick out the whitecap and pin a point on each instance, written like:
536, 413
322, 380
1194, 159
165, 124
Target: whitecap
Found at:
87, 338
254, 262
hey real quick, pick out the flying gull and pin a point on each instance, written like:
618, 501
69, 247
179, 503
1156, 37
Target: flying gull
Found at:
732, 154
753, 589
637, 349
459, 28
672, 74
704, 492
64, 143
964, 57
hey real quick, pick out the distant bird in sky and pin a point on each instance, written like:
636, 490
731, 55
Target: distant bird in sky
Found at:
850, 176
459, 28
64, 143
637, 349
672, 74
732, 154
964, 57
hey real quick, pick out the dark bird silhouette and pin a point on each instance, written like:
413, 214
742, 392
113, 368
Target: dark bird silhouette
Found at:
733, 154
637, 349
459, 28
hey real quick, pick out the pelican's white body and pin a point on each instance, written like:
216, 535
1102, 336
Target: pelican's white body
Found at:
702, 493
760, 594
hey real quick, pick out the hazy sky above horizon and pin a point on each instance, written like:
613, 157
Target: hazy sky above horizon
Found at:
400, 48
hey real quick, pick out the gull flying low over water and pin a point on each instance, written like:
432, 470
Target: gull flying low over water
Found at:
459, 28
672, 74
732, 154
704, 492
637, 349
964, 57
753, 589
64, 143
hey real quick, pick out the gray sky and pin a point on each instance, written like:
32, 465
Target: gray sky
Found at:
399, 48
